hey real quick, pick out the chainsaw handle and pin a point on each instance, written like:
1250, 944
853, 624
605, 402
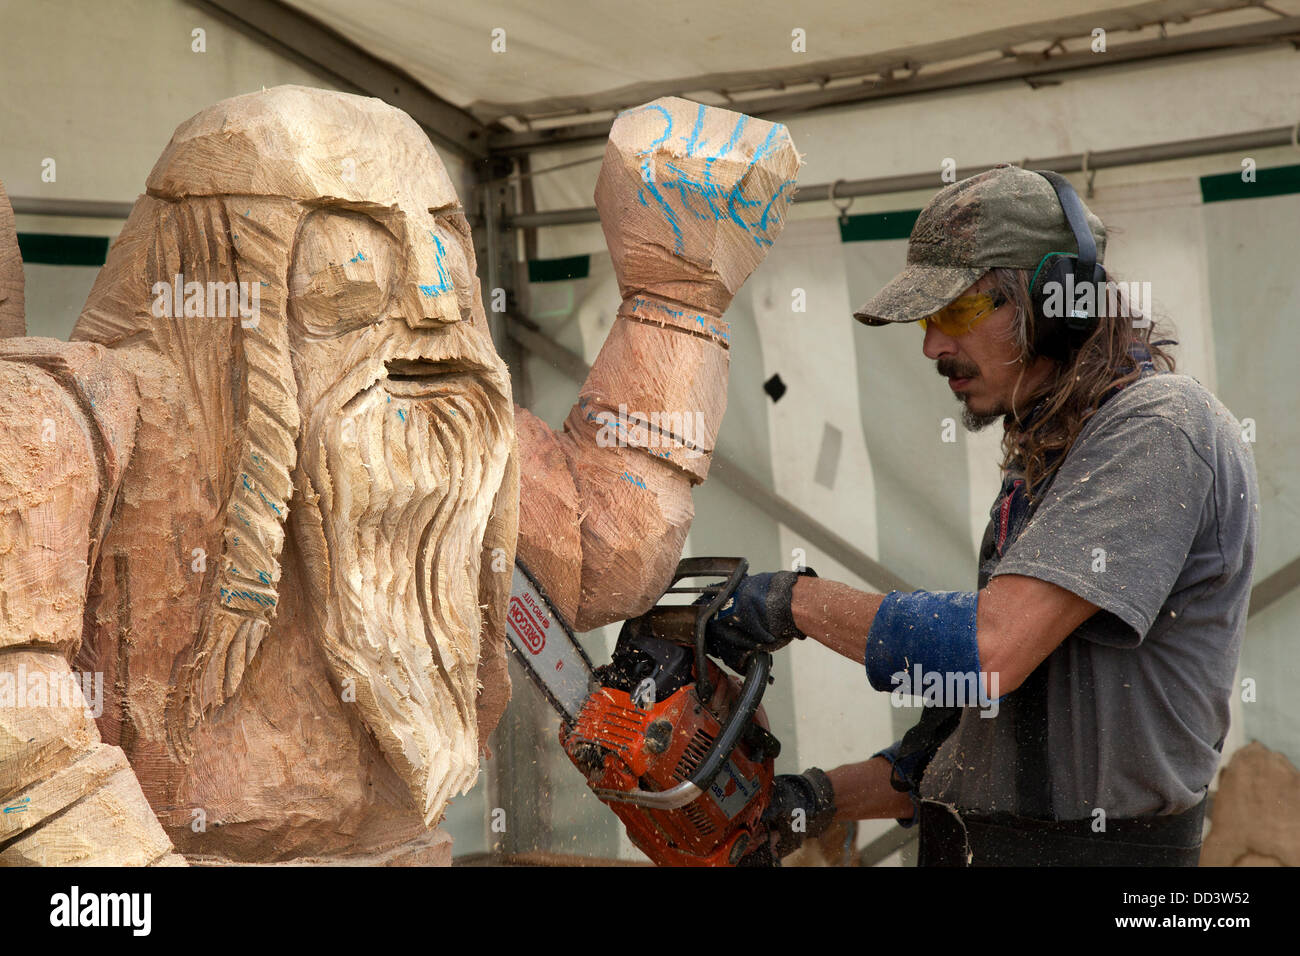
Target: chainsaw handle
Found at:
735, 570
751, 693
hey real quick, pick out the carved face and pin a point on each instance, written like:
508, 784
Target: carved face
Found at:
404, 439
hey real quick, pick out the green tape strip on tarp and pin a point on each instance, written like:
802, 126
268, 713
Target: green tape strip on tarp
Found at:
54, 250
878, 225
1275, 181
558, 270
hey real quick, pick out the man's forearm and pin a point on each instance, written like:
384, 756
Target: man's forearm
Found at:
863, 792
835, 614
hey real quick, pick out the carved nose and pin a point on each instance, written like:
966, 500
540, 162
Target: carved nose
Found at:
430, 305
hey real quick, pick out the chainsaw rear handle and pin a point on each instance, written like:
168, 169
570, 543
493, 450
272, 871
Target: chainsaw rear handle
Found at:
751, 693
734, 569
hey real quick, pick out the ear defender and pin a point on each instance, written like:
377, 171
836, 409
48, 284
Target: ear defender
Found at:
1065, 314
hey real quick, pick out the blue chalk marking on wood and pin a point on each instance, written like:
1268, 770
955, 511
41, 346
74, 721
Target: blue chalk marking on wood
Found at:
735, 138
767, 210
693, 143
706, 191
767, 145
668, 128
359, 257
737, 205
676, 313
401, 414
227, 596
443, 284
723, 150
667, 209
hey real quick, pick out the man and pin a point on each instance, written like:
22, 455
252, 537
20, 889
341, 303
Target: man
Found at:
1080, 696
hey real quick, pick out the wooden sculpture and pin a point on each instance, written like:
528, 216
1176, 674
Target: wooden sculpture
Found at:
690, 200
268, 495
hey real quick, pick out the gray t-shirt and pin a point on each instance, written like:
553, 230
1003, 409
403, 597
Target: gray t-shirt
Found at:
1152, 517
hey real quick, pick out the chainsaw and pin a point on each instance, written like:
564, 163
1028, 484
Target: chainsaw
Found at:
675, 746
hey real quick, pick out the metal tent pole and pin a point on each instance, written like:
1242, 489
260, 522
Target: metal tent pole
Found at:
911, 182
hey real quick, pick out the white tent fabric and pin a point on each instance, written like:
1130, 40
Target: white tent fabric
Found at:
572, 48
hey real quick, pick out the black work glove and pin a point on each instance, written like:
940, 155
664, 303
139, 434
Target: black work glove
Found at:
756, 617
803, 805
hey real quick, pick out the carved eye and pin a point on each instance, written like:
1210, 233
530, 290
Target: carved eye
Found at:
345, 269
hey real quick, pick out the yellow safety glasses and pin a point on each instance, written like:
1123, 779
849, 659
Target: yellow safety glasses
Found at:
962, 315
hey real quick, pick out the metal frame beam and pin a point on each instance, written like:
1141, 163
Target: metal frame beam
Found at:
1274, 587
1040, 68
312, 44
910, 182
881, 63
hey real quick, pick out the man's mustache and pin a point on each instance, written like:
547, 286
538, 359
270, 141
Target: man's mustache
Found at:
952, 367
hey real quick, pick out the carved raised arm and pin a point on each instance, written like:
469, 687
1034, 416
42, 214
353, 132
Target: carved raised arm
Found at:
690, 198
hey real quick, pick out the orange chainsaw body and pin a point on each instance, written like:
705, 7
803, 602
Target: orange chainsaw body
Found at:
623, 747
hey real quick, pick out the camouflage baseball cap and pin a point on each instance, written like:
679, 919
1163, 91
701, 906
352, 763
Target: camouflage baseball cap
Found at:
1005, 216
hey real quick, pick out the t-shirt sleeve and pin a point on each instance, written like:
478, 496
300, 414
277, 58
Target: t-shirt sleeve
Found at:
1117, 524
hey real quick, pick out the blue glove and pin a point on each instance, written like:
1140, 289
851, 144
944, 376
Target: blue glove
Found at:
757, 617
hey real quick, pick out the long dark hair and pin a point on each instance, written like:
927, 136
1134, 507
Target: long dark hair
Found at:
1057, 410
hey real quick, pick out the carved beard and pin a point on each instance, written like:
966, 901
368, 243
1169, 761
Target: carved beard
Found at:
405, 489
